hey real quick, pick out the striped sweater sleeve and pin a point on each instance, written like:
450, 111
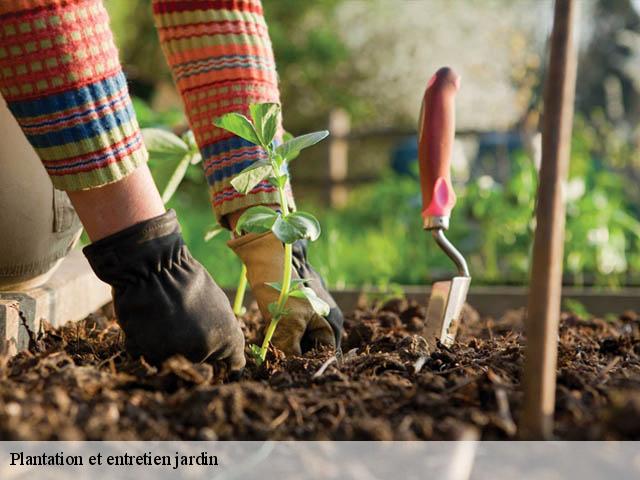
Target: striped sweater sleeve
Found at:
62, 80
220, 54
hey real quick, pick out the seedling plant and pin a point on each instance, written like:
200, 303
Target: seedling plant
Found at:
287, 225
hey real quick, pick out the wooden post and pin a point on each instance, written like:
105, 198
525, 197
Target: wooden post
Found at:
546, 274
339, 127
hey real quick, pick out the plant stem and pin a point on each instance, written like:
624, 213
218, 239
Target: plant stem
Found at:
286, 279
286, 282
267, 337
283, 201
288, 257
282, 300
240, 291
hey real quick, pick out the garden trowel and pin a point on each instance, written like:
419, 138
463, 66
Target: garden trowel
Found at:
435, 143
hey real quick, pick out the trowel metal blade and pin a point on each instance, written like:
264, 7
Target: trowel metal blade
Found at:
444, 310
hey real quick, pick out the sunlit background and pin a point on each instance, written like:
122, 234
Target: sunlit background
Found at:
360, 67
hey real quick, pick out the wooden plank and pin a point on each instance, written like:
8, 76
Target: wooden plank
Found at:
9, 323
546, 274
72, 293
338, 157
494, 301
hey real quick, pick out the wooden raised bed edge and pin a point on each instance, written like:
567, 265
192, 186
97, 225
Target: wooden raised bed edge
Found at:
493, 301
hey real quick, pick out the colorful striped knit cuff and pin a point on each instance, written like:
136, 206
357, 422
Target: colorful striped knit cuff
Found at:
60, 75
223, 160
220, 55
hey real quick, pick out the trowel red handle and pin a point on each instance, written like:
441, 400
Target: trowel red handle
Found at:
435, 143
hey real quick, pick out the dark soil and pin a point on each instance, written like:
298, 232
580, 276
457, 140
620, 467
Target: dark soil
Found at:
76, 383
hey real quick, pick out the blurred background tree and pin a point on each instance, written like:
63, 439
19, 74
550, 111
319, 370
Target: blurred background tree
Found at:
608, 70
140, 53
314, 64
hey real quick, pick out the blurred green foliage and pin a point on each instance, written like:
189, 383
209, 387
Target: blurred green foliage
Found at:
314, 66
149, 118
377, 239
137, 40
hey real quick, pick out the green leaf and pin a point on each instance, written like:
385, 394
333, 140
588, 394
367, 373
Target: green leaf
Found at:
296, 226
269, 130
169, 158
285, 231
273, 309
189, 138
296, 283
238, 125
275, 285
306, 223
161, 143
144, 113
289, 150
265, 118
213, 232
627, 221
258, 219
319, 306
279, 161
279, 182
251, 176
176, 178
256, 352
286, 136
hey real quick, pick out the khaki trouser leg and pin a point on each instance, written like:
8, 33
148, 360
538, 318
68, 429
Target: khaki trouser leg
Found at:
38, 225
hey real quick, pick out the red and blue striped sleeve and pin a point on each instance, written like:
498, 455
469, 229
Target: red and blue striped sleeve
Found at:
220, 54
62, 80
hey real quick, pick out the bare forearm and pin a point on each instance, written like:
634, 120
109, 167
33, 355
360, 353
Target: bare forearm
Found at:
116, 206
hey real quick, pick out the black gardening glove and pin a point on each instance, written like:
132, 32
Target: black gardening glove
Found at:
165, 301
316, 283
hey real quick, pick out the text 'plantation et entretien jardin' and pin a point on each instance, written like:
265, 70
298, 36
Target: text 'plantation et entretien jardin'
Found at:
126, 460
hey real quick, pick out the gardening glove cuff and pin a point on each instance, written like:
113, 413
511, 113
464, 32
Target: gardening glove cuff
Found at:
302, 328
165, 301
119, 259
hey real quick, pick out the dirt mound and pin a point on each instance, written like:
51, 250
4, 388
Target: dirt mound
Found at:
77, 383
